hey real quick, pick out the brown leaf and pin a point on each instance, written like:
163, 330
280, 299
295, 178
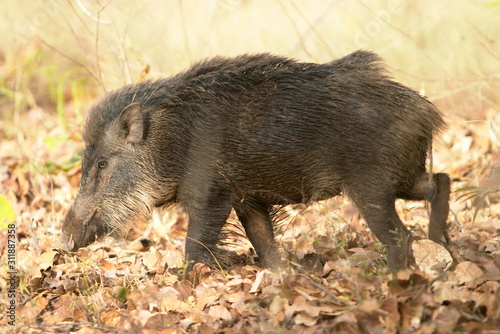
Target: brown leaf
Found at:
306, 292
431, 257
220, 312
154, 261
239, 284
346, 323
27, 313
174, 259
277, 305
363, 255
111, 318
446, 319
63, 311
236, 297
368, 306
488, 295
446, 291
258, 280
162, 321
106, 265
206, 329
305, 319
199, 272
185, 289
392, 317
206, 298
468, 272
136, 319
331, 266
26, 259
171, 303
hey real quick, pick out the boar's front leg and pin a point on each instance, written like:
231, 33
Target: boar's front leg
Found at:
208, 205
254, 216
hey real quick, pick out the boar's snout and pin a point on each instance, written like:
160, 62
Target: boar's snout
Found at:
81, 228
72, 232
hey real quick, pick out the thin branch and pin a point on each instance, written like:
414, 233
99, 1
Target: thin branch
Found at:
336, 299
184, 30
297, 31
312, 26
98, 18
89, 71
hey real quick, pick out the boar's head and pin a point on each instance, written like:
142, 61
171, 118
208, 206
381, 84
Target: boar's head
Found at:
114, 174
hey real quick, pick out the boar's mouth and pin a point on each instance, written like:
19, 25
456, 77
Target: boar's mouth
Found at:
85, 232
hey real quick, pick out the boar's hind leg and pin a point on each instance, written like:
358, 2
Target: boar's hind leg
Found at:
208, 209
439, 195
254, 216
378, 209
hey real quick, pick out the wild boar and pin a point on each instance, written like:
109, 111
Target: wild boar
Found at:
255, 131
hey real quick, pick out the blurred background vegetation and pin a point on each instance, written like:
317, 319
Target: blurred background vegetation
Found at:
56, 57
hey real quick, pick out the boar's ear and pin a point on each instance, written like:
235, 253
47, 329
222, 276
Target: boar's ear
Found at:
132, 123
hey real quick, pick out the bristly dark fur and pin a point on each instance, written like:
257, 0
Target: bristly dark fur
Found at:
256, 131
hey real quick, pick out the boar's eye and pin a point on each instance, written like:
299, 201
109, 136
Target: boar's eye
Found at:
102, 164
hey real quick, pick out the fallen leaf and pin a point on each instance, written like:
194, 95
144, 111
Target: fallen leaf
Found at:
363, 255
446, 319
431, 257
63, 311
305, 319
468, 272
258, 280
162, 321
368, 306
220, 312
276, 305
111, 318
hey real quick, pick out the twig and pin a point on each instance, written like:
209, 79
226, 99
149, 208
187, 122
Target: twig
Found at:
184, 30
312, 26
85, 10
297, 31
89, 71
336, 299
97, 45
